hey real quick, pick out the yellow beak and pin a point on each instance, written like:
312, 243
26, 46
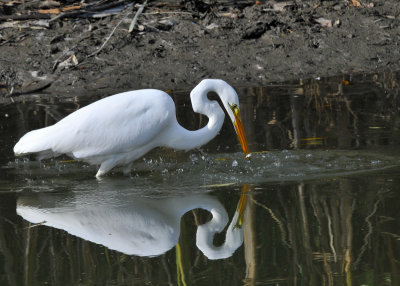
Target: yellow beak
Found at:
241, 134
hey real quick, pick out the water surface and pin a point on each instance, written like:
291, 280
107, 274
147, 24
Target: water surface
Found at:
316, 205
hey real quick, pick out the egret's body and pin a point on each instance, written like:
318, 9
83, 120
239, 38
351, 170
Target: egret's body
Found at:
119, 129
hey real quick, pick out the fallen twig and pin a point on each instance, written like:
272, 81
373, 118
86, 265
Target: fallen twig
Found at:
36, 88
167, 12
134, 20
33, 16
109, 37
90, 10
58, 10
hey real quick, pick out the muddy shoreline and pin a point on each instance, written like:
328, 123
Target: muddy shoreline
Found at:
175, 46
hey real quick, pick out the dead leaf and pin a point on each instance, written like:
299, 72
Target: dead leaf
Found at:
71, 61
324, 22
282, 5
355, 3
279, 7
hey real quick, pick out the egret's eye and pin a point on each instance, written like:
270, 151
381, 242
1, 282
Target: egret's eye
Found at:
235, 109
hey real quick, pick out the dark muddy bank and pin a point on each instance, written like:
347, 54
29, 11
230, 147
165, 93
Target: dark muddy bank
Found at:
176, 44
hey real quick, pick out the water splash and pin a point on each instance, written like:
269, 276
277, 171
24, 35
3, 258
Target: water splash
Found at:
203, 169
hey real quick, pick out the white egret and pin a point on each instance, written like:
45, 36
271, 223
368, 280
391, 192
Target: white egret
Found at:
119, 129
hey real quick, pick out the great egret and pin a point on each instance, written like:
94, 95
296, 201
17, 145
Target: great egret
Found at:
119, 129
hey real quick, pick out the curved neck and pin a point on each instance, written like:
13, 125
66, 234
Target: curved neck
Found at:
183, 139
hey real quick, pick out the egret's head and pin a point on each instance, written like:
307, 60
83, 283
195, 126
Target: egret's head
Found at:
229, 99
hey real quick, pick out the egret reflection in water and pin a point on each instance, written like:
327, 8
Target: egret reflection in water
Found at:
133, 224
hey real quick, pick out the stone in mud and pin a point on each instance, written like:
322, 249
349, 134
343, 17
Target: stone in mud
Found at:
254, 31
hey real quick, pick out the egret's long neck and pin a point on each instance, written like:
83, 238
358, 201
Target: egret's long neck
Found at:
184, 139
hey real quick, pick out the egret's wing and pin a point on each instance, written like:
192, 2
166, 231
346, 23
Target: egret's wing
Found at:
117, 124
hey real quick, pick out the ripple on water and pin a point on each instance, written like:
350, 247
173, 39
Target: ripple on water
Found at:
207, 169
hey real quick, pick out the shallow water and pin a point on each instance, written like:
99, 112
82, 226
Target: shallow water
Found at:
317, 204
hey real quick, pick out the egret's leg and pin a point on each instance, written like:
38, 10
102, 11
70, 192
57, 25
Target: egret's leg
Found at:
127, 169
105, 167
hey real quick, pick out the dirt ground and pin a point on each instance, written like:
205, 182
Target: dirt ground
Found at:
176, 44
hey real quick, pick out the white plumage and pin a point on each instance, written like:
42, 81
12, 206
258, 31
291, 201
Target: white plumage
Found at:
119, 129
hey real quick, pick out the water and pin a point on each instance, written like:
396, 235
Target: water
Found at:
316, 205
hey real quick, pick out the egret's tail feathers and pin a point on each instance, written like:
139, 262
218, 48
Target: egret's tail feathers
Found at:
37, 141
